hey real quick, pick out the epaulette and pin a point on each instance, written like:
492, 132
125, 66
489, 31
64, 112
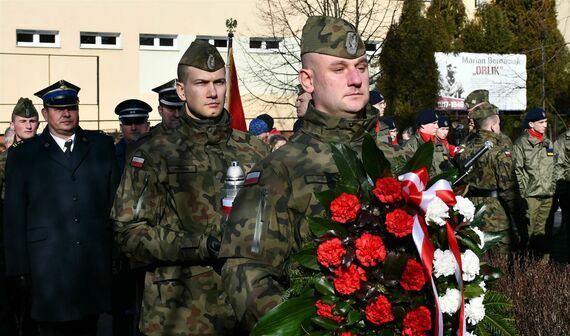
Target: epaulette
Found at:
17, 143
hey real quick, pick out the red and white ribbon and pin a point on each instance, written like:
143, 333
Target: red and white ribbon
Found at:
413, 186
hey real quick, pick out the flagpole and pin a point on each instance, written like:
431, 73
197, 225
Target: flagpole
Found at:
231, 25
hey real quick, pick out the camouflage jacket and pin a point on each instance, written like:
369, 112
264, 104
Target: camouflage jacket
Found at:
168, 203
393, 153
268, 221
562, 151
534, 166
492, 171
441, 158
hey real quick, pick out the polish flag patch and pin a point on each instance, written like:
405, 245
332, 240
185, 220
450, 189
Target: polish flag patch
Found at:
137, 161
507, 153
252, 178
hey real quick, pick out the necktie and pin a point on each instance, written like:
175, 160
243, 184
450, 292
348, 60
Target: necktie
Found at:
67, 151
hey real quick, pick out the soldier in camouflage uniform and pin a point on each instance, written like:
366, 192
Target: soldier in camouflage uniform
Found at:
269, 219
24, 125
427, 126
491, 182
168, 211
534, 169
474, 99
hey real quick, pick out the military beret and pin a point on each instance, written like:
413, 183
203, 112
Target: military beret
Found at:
390, 123
258, 126
134, 110
476, 97
268, 120
535, 114
167, 95
202, 55
60, 94
443, 121
331, 36
426, 116
483, 110
25, 108
375, 97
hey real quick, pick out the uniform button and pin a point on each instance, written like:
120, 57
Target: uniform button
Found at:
76, 220
75, 198
78, 243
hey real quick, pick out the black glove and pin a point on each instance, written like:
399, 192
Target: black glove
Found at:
213, 246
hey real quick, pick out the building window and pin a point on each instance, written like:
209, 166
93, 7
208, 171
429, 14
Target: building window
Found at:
216, 41
158, 42
37, 38
100, 40
260, 43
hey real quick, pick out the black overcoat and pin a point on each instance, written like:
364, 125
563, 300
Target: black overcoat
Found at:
56, 223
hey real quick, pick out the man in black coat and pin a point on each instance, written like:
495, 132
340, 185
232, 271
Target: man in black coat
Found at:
59, 190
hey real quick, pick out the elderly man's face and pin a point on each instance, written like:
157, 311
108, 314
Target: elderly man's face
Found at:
133, 131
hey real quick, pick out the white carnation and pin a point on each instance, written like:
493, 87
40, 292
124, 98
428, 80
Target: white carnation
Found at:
450, 301
470, 263
475, 310
467, 333
443, 263
465, 207
481, 236
483, 286
437, 211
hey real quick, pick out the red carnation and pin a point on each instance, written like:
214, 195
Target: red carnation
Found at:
330, 252
345, 208
399, 223
417, 322
347, 281
388, 190
345, 333
413, 277
325, 310
370, 249
380, 311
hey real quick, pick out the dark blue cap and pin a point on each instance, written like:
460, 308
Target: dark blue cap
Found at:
133, 109
535, 114
60, 94
167, 95
375, 97
258, 126
443, 121
390, 123
426, 116
268, 120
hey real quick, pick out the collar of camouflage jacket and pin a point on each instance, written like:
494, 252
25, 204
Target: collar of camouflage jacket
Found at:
329, 128
207, 131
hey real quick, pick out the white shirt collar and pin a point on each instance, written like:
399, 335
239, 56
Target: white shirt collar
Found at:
61, 142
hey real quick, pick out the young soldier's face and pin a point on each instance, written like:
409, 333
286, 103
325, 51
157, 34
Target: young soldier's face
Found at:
204, 92
339, 86
25, 128
539, 126
442, 132
429, 128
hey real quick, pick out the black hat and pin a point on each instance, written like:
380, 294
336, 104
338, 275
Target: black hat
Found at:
443, 121
535, 114
375, 97
136, 111
268, 120
426, 116
167, 95
60, 94
389, 122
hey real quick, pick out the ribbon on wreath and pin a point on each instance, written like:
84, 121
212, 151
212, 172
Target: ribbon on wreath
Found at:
414, 188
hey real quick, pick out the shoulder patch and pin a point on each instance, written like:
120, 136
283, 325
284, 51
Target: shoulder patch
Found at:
252, 178
137, 161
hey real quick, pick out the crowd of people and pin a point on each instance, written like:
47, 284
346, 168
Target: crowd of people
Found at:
138, 229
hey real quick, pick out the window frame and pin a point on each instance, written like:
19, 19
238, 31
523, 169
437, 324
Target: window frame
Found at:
156, 41
36, 38
98, 40
263, 47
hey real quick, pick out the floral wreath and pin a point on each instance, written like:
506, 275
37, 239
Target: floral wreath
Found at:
392, 256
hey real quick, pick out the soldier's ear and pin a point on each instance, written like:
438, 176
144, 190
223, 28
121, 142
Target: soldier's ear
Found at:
306, 80
180, 90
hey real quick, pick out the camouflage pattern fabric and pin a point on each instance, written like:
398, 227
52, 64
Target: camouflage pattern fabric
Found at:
331, 36
441, 158
534, 166
268, 221
493, 171
166, 207
25, 108
391, 152
475, 98
562, 151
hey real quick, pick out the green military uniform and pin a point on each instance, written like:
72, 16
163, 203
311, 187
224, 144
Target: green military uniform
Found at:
441, 158
491, 181
168, 209
473, 99
392, 152
562, 165
534, 169
268, 222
